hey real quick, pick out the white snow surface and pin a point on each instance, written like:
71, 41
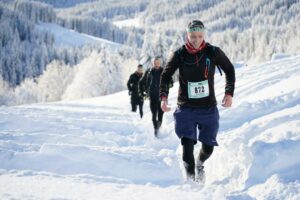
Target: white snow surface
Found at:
97, 149
68, 37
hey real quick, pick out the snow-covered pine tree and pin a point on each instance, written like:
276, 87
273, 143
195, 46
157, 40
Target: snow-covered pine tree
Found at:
96, 76
148, 50
35, 11
54, 81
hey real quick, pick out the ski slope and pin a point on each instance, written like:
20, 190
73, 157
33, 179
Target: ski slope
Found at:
97, 149
68, 37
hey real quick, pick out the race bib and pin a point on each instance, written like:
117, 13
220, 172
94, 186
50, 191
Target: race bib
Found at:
197, 90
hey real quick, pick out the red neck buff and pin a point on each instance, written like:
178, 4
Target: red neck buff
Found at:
190, 48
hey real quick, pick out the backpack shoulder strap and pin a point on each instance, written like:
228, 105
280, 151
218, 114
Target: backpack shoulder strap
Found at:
211, 52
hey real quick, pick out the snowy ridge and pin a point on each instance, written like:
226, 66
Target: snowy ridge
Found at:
64, 36
97, 149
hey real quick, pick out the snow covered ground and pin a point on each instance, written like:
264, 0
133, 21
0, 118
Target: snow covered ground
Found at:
64, 36
97, 149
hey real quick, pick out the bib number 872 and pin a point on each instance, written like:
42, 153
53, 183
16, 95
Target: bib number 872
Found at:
199, 89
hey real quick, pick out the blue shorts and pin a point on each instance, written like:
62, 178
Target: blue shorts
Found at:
188, 119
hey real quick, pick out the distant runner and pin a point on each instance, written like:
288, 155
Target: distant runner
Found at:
149, 86
133, 90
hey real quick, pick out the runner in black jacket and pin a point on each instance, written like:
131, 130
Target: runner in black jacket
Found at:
132, 85
149, 86
197, 62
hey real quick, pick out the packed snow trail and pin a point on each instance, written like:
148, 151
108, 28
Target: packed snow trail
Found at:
97, 149
78, 144
81, 138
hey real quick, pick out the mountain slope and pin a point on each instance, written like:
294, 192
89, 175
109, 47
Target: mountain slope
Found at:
96, 148
64, 36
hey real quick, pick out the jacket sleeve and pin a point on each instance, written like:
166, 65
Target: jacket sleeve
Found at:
129, 83
228, 68
166, 76
142, 82
171, 84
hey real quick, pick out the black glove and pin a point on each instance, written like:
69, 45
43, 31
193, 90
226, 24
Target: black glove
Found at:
129, 93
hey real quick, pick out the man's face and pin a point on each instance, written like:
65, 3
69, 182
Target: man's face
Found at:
156, 63
196, 38
140, 70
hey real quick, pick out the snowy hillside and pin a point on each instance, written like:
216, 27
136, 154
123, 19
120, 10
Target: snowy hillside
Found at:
64, 36
135, 22
248, 31
97, 149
